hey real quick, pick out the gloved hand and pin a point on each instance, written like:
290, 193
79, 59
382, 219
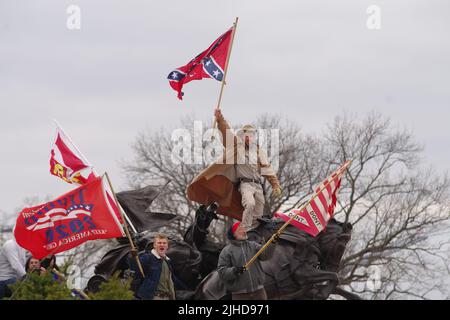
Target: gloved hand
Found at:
275, 238
218, 114
276, 193
239, 270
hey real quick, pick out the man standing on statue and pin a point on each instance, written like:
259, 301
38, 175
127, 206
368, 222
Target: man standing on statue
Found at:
243, 284
250, 165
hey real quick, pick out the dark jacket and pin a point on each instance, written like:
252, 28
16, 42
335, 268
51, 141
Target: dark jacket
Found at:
152, 265
236, 254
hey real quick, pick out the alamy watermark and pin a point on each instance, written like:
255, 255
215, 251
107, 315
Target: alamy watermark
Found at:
73, 277
251, 146
73, 21
374, 19
373, 283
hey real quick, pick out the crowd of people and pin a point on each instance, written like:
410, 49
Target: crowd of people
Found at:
16, 263
154, 276
158, 280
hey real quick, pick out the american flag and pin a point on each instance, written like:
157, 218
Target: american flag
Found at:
58, 214
314, 217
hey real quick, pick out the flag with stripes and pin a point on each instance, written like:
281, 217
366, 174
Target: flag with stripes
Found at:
67, 163
78, 216
313, 218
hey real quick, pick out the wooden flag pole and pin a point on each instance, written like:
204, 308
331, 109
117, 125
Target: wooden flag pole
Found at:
134, 251
227, 62
284, 226
225, 72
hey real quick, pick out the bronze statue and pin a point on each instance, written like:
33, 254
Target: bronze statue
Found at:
302, 267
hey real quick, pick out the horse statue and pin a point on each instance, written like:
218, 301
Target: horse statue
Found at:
302, 267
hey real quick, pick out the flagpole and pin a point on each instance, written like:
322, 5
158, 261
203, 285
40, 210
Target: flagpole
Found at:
225, 71
73, 144
134, 251
93, 168
284, 226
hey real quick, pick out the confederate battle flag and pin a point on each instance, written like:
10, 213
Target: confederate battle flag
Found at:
72, 219
208, 64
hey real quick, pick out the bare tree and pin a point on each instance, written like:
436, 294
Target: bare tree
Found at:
5, 227
153, 165
398, 208
84, 258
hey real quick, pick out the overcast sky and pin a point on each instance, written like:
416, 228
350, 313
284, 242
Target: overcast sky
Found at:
310, 60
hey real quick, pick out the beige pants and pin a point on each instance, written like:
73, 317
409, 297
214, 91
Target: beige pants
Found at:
253, 203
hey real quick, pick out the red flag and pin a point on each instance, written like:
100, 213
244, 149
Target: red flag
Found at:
315, 216
208, 64
72, 219
66, 161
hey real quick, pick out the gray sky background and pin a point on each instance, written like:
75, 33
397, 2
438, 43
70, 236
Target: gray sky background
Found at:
309, 60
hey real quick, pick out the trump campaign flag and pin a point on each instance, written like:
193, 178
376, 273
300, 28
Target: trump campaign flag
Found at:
314, 217
68, 221
67, 163
211, 63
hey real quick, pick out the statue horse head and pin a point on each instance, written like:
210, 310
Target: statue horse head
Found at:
197, 232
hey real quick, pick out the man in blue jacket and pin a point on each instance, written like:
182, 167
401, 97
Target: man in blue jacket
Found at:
160, 281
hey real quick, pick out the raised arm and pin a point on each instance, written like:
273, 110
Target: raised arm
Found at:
223, 126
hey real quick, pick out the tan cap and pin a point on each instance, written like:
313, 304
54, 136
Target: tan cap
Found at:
248, 128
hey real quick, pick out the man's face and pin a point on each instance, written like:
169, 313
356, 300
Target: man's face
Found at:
35, 264
249, 138
161, 246
240, 233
